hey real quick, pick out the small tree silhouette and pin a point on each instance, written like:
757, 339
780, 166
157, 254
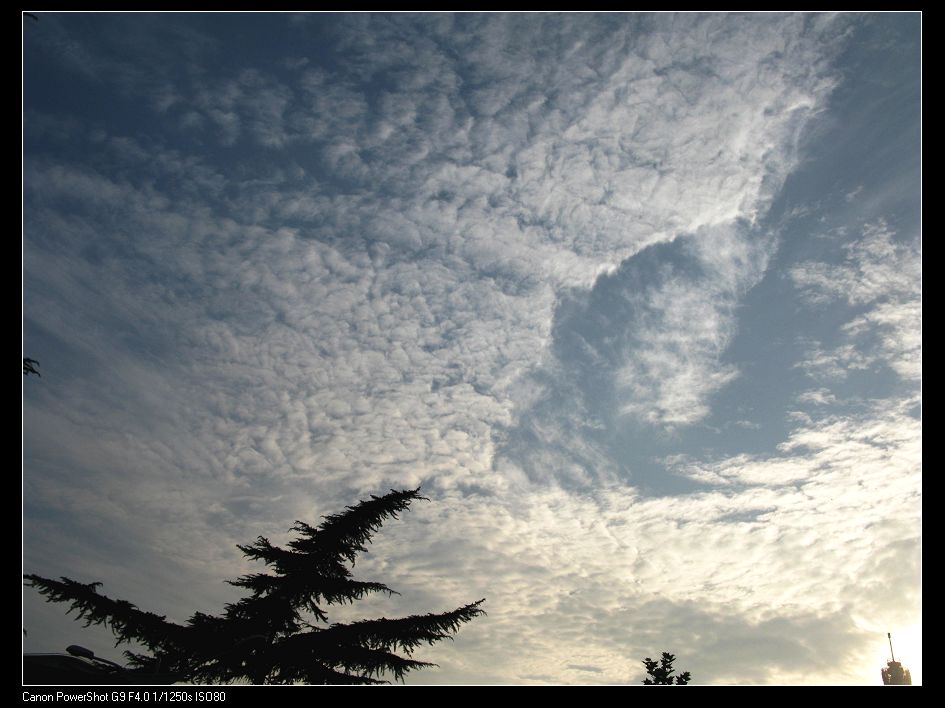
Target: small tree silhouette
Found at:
662, 674
280, 633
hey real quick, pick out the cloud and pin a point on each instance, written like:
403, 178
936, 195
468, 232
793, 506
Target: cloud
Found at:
881, 276
819, 397
484, 226
253, 101
876, 268
643, 349
497, 255
785, 567
674, 363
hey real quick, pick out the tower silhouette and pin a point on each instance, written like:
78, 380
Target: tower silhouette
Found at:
894, 674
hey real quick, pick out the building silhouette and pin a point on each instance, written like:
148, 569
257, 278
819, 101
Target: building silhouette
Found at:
894, 674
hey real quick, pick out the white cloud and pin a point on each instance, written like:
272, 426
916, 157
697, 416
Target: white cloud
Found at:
675, 364
610, 576
881, 275
876, 268
382, 334
818, 397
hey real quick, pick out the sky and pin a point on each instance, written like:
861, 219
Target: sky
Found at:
634, 298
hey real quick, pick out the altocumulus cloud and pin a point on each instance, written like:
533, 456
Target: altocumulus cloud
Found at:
503, 256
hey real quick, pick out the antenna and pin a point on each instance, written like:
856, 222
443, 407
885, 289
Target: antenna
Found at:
895, 674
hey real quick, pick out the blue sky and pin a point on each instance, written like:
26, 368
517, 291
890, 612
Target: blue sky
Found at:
635, 297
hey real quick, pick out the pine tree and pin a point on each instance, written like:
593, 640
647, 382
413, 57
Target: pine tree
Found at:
266, 637
662, 674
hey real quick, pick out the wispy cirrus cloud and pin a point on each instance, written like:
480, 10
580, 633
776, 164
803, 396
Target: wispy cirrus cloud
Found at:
881, 276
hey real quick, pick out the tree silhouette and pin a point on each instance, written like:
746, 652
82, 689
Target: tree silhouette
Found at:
662, 674
29, 366
280, 632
